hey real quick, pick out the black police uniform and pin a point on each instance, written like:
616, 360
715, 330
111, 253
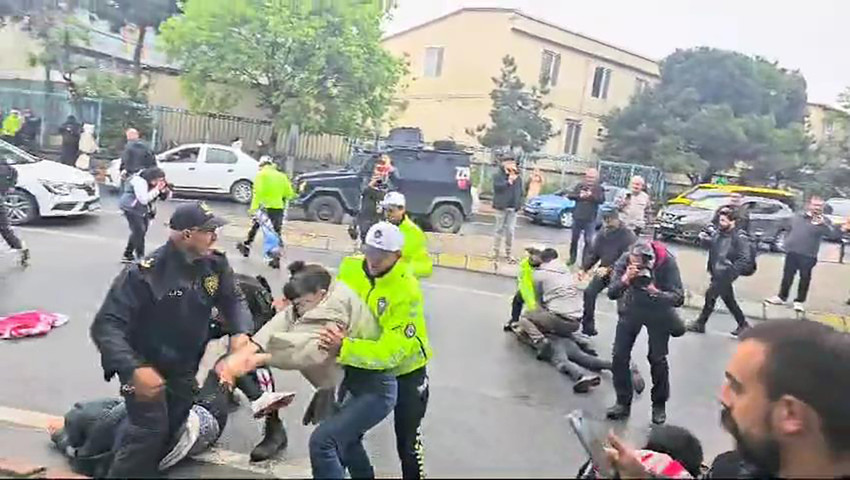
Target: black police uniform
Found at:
157, 314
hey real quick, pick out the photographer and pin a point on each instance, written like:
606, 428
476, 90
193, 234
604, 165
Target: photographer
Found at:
507, 199
648, 288
138, 204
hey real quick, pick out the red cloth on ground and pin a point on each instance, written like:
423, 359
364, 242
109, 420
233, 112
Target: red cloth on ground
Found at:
28, 324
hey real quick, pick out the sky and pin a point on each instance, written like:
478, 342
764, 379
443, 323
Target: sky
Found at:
810, 36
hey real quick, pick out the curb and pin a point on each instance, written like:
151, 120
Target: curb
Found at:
13, 468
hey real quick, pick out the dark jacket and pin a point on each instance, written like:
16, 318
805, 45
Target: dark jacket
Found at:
586, 208
608, 247
136, 157
805, 237
728, 254
506, 195
742, 218
157, 313
637, 303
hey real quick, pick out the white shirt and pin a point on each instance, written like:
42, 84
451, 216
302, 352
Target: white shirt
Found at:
143, 193
634, 210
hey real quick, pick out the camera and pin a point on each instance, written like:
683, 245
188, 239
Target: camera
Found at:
647, 262
643, 278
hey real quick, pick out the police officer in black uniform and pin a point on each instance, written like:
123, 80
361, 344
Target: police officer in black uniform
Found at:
153, 328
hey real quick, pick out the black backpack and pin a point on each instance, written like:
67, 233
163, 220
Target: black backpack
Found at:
753, 245
8, 177
258, 296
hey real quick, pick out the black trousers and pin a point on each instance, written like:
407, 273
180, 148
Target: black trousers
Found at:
6, 229
275, 215
516, 307
587, 229
628, 329
724, 290
138, 230
144, 437
413, 392
569, 358
594, 288
794, 262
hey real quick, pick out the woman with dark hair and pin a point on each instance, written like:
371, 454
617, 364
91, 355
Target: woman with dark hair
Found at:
70, 132
138, 204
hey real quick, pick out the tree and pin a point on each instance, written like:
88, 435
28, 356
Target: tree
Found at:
318, 65
142, 14
125, 105
517, 116
714, 110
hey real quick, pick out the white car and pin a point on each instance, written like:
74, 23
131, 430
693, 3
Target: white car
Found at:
203, 168
46, 188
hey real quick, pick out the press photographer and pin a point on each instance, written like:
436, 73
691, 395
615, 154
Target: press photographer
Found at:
648, 288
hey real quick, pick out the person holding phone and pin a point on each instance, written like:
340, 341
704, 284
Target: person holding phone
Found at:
588, 196
507, 200
138, 205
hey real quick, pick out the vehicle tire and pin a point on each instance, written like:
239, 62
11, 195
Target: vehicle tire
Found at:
242, 192
446, 218
778, 244
325, 209
21, 206
565, 219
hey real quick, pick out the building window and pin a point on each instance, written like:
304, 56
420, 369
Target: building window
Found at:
433, 61
641, 85
549, 67
601, 81
573, 133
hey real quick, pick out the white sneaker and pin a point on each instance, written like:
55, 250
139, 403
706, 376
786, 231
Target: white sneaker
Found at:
799, 307
271, 401
775, 301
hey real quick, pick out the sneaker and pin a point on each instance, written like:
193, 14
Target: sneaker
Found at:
128, 259
659, 415
799, 307
739, 330
589, 331
509, 326
696, 327
586, 382
638, 383
25, 257
245, 250
618, 412
271, 401
775, 301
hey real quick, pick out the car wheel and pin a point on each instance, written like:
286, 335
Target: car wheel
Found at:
21, 207
565, 219
446, 219
778, 244
325, 209
242, 191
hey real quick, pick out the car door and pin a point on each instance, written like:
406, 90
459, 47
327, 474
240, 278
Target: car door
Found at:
763, 217
218, 171
180, 166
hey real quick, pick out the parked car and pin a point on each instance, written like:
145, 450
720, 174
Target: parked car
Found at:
837, 210
770, 219
203, 168
436, 183
710, 190
557, 209
46, 188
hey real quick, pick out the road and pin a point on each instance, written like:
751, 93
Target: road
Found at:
495, 410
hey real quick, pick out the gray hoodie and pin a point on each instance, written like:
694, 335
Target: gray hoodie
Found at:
555, 288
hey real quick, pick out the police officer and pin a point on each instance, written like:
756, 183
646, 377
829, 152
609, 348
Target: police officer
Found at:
415, 250
395, 298
152, 330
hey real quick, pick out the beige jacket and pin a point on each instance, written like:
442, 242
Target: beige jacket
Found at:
294, 342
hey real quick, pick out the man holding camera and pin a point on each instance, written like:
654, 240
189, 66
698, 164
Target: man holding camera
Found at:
648, 288
507, 199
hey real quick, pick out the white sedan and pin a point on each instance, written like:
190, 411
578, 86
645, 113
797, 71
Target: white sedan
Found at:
203, 168
46, 188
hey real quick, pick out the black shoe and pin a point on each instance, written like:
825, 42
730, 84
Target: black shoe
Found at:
25, 257
544, 350
508, 326
618, 412
741, 329
696, 327
275, 263
638, 383
245, 250
586, 382
273, 441
589, 331
659, 415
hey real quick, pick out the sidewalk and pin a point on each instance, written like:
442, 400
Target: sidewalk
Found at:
472, 252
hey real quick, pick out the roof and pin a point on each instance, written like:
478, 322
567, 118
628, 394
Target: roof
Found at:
519, 13
827, 107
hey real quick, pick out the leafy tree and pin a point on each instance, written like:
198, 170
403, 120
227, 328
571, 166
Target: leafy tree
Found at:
714, 110
318, 65
517, 116
125, 105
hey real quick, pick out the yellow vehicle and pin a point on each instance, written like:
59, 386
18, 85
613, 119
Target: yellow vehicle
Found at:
709, 190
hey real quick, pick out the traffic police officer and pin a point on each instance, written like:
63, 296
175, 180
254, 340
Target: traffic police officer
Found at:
415, 250
153, 328
395, 298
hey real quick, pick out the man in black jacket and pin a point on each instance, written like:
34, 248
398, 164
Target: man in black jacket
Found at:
728, 257
8, 179
588, 196
137, 155
608, 246
648, 288
507, 199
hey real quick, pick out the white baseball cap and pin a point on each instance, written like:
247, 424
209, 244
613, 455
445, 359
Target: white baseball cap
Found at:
384, 236
394, 199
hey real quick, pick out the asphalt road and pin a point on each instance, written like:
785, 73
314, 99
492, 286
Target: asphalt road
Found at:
495, 411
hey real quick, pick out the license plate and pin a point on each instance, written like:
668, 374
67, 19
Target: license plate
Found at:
666, 225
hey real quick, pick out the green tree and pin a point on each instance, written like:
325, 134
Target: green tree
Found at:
318, 65
125, 105
517, 115
714, 110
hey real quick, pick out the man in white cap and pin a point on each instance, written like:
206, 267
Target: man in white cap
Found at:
414, 253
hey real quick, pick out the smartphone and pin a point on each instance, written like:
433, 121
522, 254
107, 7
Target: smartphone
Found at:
591, 435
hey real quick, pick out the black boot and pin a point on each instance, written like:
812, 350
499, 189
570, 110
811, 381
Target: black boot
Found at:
659, 414
274, 439
244, 249
619, 412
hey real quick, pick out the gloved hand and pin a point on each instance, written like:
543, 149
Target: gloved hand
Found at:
322, 405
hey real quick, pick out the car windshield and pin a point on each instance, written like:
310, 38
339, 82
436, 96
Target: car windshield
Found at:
704, 193
712, 203
14, 155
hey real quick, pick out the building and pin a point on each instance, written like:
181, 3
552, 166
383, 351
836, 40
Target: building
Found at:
453, 59
825, 122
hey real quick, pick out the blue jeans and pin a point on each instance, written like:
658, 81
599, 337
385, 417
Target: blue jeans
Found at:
367, 397
585, 228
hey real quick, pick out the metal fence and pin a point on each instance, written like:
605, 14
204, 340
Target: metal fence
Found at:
620, 175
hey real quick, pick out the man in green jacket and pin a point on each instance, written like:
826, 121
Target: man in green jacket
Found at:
393, 295
272, 191
415, 250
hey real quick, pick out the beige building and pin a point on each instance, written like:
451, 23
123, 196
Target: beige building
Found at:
453, 58
824, 122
